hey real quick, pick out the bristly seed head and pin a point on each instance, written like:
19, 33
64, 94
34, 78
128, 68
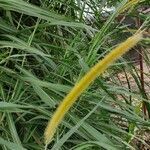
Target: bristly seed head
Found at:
79, 87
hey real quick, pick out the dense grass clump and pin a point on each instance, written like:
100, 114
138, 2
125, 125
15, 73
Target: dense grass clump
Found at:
48, 46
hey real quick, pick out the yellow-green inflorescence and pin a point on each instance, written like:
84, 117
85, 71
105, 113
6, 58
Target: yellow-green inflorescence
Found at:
89, 77
129, 4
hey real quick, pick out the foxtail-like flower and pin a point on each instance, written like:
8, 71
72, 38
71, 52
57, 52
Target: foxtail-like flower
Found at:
79, 87
129, 4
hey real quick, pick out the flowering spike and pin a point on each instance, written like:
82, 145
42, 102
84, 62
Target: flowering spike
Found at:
129, 4
79, 87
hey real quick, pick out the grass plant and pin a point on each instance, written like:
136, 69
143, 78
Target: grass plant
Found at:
46, 46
